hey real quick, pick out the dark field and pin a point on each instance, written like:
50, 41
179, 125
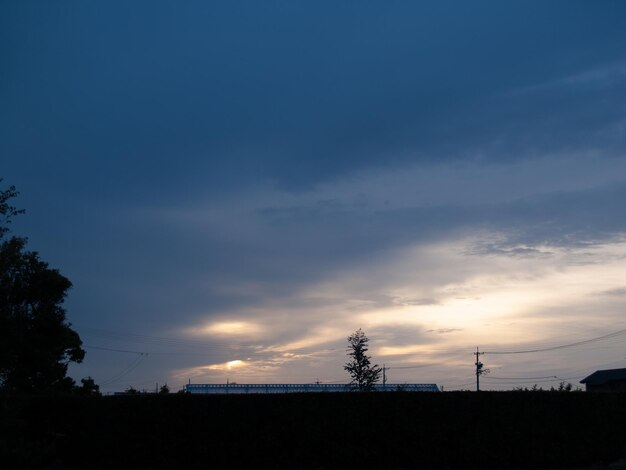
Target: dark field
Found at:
310, 431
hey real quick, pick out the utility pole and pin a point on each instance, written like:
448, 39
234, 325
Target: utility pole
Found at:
384, 375
479, 368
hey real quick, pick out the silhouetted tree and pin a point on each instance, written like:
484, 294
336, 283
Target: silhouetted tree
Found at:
36, 342
364, 374
88, 387
7, 211
164, 390
564, 387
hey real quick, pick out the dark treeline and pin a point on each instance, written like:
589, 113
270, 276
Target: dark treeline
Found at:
330, 431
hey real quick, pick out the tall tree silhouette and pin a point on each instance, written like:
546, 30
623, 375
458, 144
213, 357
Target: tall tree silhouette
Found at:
364, 374
36, 342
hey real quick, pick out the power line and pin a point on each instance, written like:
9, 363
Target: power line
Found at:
457, 386
149, 339
127, 370
114, 350
518, 383
411, 367
177, 346
562, 346
571, 378
523, 378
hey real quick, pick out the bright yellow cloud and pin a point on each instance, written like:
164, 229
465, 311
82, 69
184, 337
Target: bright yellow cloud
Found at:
228, 328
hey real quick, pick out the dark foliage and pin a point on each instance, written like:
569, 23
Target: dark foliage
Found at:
491, 430
364, 374
563, 387
36, 342
88, 387
7, 211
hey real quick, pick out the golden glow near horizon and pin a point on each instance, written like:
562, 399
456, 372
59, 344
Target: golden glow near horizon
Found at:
236, 363
208, 369
495, 300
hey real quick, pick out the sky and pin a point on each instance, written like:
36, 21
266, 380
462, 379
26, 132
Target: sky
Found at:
234, 187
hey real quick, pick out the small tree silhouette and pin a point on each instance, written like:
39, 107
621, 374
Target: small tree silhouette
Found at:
88, 387
364, 375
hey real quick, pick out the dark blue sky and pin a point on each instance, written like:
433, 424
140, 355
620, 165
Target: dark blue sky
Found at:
267, 165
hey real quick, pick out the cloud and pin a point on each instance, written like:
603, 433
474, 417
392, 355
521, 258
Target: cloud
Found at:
268, 179
443, 331
618, 292
298, 96
500, 254
267, 246
228, 329
479, 299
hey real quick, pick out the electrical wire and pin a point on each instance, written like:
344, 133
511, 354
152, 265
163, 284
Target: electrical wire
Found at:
127, 370
154, 340
460, 385
100, 348
490, 377
198, 347
562, 346
410, 367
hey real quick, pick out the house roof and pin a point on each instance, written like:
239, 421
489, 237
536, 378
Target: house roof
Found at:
600, 377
